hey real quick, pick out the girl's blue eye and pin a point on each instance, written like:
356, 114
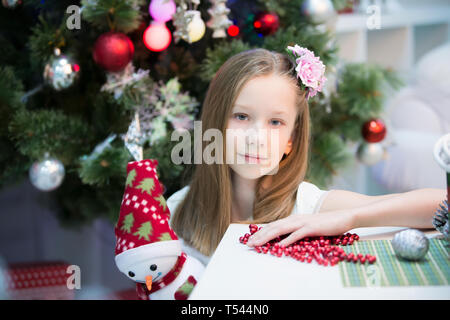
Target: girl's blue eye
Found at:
243, 117
279, 122
237, 115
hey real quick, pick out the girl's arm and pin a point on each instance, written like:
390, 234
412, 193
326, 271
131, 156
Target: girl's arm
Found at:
343, 199
413, 209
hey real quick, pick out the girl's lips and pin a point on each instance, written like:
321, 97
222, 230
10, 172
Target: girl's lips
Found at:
255, 157
252, 158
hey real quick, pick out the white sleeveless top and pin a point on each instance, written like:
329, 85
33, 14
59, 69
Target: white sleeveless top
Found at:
309, 200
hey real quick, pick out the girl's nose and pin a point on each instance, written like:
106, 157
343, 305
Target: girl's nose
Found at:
256, 137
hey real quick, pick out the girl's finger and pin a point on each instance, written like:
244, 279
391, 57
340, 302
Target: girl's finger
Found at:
294, 236
270, 232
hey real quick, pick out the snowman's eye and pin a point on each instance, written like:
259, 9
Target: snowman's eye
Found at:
153, 267
131, 274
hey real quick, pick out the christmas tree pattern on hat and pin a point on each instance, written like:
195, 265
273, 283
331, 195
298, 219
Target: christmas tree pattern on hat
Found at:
144, 215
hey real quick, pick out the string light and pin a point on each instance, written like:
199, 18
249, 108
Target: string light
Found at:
157, 36
233, 30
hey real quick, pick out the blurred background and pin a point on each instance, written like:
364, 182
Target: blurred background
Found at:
87, 86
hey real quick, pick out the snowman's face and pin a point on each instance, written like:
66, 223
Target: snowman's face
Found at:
157, 268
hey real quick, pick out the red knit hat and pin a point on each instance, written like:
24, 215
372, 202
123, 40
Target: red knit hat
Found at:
143, 231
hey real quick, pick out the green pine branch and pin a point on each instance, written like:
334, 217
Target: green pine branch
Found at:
112, 162
113, 15
11, 91
361, 87
305, 36
281, 7
13, 166
328, 154
216, 56
37, 132
45, 38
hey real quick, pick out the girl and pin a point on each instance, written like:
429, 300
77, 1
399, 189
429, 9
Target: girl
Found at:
262, 179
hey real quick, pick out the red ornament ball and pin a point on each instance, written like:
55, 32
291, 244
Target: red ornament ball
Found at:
113, 51
373, 130
266, 23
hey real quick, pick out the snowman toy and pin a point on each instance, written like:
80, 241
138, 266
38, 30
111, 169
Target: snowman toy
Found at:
147, 249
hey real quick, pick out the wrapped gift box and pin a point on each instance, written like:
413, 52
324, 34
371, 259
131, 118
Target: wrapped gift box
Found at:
38, 281
127, 294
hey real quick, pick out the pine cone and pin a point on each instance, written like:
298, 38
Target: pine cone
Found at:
440, 219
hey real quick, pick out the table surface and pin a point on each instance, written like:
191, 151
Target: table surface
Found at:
236, 271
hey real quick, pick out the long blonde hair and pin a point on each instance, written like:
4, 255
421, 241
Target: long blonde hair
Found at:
202, 218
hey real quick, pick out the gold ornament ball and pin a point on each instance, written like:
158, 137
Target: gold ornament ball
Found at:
196, 27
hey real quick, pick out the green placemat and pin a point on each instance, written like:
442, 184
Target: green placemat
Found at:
389, 270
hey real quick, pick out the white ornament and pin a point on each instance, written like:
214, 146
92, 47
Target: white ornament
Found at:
117, 81
134, 139
219, 20
319, 11
48, 174
370, 153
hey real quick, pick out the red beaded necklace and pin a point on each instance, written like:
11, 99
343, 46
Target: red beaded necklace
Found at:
325, 250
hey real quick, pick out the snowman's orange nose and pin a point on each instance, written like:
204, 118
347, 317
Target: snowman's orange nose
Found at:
148, 282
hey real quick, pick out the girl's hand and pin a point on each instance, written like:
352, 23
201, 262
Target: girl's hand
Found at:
301, 225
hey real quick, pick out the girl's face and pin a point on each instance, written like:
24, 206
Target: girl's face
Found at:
261, 123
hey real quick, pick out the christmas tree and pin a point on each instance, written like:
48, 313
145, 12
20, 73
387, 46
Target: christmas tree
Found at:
85, 88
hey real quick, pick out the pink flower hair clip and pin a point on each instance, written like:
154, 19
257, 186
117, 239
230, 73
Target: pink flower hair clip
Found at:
309, 68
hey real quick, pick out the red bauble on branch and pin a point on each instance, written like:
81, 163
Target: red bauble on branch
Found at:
373, 130
113, 51
266, 23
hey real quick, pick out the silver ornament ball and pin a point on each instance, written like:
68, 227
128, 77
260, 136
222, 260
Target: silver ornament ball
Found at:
410, 244
11, 4
61, 72
48, 174
319, 11
370, 153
